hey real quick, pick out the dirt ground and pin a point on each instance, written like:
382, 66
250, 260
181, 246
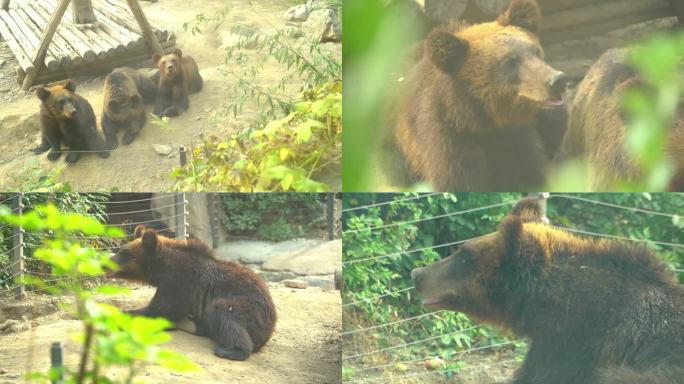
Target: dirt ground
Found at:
305, 347
19, 130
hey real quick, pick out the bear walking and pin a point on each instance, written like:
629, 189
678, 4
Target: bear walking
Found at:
178, 77
481, 111
227, 302
126, 91
67, 119
594, 311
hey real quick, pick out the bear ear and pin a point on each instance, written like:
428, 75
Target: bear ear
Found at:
155, 59
149, 239
43, 93
522, 13
178, 53
139, 230
70, 85
529, 210
445, 50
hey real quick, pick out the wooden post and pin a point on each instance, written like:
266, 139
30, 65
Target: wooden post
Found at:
18, 246
330, 213
83, 12
39, 59
5, 4
145, 27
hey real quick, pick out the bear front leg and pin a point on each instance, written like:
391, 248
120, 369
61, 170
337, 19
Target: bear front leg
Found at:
43, 147
110, 128
132, 131
160, 106
170, 303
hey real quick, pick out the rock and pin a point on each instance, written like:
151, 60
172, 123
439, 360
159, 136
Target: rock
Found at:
321, 260
299, 284
276, 276
257, 252
14, 326
320, 281
161, 149
297, 13
324, 25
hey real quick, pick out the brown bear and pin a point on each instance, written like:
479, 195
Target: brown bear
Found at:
598, 127
67, 119
594, 311
178, 77
226, 302
126, 91
481, 110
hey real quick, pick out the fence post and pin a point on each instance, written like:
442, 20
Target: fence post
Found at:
181, 216
183, 156
215, 220
57, 360
330, 213
18, 246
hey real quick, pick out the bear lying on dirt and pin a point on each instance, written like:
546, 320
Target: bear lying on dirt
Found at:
481, 111
126, 91
594, 311
227, 302
598, 129
178, 77
67, 119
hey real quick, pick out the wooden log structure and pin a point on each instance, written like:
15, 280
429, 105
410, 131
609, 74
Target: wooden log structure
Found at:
49, 46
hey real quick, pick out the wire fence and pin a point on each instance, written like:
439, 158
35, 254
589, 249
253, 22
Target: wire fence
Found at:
12, 273
395, 355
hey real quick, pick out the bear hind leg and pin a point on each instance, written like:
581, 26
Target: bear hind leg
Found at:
232, 339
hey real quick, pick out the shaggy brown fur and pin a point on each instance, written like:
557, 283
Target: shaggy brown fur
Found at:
125, 93
67, 119
595, 311
598, 128
474, 106
226, 301
178, 77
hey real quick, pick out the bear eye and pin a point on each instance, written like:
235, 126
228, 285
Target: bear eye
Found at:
510, 62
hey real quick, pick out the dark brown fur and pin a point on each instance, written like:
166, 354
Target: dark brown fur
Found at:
473, 108
67, 119
226, 301
598, 127
125, 93
594, 311
178, 77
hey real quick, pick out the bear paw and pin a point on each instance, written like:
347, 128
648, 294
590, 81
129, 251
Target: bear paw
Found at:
54, 155
73, 157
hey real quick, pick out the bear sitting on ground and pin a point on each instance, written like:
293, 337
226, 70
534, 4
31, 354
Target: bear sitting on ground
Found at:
598, 127
125, 93
594, 311
178, 77
67, 119
227, 302
470, 116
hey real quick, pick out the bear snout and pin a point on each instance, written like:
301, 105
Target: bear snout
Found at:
558, 83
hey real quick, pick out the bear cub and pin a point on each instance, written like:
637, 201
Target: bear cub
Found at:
67, 119
594, 311
227, 302
178, 77
126, 91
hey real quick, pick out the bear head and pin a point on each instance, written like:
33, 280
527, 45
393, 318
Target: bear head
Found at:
138, 259
170, 66
471, 280
501, 64
59, 100
122, 95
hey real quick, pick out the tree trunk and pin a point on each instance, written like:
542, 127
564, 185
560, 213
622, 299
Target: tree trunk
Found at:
83, 11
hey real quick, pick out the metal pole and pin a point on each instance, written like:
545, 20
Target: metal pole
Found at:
183, 156
181, 216
215, 220
18, 253
57, 360
330, 212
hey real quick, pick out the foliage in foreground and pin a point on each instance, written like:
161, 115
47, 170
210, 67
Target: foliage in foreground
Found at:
287, 154
111, 338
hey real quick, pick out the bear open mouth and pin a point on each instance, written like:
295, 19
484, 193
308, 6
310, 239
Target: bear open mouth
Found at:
553, 102
432, 301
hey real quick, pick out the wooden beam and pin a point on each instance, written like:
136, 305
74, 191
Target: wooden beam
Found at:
82, 11
145, 26
39, 59
5, 4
